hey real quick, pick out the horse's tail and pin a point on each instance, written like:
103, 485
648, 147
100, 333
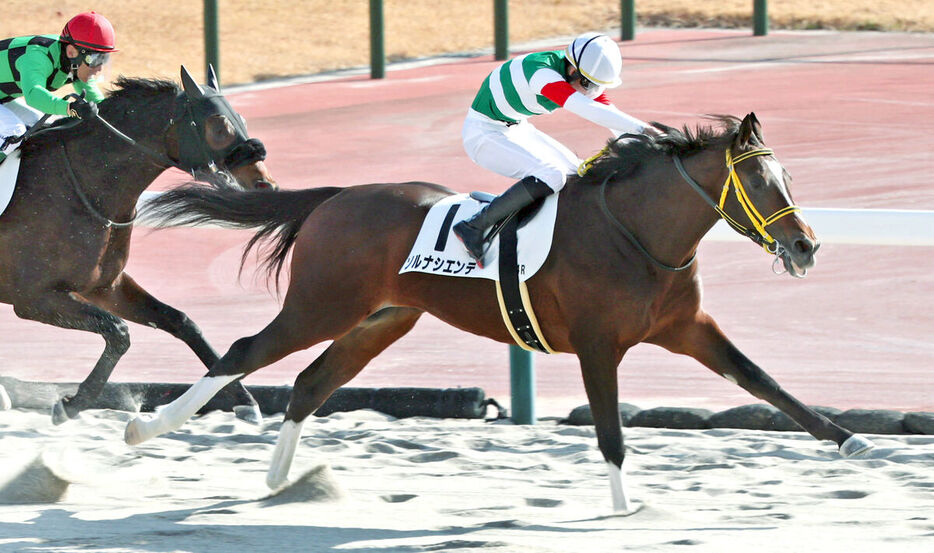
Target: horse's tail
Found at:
277, 214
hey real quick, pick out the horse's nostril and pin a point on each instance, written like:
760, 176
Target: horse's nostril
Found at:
805, 246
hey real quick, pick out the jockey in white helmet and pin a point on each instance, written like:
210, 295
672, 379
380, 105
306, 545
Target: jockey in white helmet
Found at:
498, 136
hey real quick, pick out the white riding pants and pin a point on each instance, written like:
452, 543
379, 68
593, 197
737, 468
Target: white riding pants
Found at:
517, 151
15, 118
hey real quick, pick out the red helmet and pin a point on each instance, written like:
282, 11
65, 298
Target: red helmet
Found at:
91, 31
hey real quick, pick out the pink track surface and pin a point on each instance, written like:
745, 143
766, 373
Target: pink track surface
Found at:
851, 116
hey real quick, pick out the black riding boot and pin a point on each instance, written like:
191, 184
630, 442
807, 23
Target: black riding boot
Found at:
472, 231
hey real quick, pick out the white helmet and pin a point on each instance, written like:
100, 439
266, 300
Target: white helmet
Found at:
597, 58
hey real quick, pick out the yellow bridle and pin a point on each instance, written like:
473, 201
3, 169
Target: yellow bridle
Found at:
758, 221
759, 235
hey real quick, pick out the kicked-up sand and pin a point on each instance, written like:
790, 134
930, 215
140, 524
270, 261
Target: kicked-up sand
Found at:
366, 482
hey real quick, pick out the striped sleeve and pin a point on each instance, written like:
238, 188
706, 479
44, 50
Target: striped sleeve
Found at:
34, 68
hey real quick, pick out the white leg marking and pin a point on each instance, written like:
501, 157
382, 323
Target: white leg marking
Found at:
289, 435
5, 403
176, 413
621, 501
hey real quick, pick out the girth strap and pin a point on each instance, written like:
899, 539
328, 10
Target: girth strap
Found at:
513, 295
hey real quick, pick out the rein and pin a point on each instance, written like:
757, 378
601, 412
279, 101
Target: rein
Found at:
251, 149
632, 238
158, 157
84, 199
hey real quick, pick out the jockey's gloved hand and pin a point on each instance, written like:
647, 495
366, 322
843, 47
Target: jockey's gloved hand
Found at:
82, 109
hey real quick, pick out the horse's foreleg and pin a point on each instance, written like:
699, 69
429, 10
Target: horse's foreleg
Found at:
129, 300
598, 367
343, 360
703, 340
65, 310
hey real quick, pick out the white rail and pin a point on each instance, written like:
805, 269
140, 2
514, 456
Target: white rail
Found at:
888, 227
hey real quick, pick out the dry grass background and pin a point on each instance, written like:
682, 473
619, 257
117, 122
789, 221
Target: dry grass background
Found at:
262, 39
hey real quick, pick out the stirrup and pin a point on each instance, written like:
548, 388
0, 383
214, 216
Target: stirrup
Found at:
472, 247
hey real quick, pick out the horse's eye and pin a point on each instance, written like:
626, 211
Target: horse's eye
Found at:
219, 132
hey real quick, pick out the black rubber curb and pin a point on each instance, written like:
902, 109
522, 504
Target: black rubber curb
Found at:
764, 417
470, 403
462, 403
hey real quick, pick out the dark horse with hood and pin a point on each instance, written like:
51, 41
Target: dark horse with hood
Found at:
65, 236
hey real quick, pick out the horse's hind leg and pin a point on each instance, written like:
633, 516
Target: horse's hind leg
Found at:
64, 310
129, 300
297, 326
704, 341
343, 360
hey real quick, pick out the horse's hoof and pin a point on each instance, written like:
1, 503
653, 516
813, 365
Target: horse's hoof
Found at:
249, 413
274, 481
135, 432
856, 446
628, 511
59, 414
5, 403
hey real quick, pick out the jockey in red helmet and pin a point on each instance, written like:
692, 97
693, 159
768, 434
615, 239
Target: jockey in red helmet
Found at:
33, 66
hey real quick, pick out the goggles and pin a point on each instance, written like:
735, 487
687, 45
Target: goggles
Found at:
92, 58
587, 84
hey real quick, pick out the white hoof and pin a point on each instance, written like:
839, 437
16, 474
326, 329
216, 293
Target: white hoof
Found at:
275, 481
5, 403
249, 413
856, 446
137, 431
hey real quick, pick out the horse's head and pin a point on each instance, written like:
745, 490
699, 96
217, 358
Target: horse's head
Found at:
760, 204
211, 138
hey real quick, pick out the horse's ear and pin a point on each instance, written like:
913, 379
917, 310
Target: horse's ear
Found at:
212, 79
192, 88
749, 130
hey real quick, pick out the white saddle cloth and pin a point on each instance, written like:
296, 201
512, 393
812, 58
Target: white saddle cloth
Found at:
8, 171
452, 259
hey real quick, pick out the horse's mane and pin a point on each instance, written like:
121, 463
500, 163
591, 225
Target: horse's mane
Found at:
626, 155
120, 106
137, 89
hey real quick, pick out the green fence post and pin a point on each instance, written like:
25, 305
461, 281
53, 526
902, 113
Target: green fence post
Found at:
628, 11
760, 17
377, 47
522, 385
501, 28
212, 54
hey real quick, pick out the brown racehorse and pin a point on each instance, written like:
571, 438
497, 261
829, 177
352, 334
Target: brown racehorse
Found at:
620, 272
65, 236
